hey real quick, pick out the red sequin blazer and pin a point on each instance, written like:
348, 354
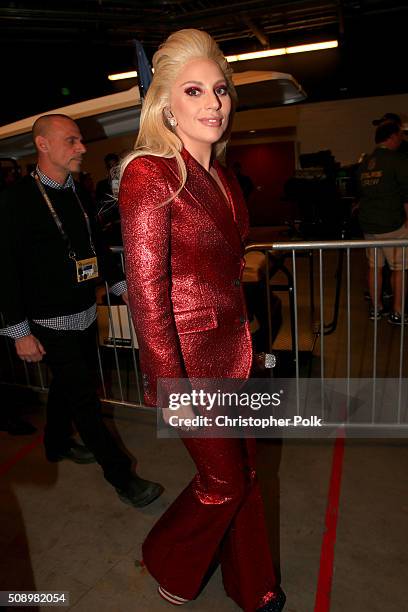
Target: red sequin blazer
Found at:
184, 263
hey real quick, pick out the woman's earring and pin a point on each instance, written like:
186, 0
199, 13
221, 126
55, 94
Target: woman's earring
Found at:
170, 117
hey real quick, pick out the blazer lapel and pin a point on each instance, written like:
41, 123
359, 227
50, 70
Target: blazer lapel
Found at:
202, 188
204, 191
239, 207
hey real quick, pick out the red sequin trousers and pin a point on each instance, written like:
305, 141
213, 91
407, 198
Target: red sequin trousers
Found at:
218, 517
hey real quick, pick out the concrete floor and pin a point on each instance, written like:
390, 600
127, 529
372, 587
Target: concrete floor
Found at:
63, 527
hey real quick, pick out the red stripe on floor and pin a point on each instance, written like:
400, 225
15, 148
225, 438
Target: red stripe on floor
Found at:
23, 452
324, 584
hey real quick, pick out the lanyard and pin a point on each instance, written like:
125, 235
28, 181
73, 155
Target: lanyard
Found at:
57, 220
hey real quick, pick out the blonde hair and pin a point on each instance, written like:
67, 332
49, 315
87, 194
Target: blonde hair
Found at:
156, 136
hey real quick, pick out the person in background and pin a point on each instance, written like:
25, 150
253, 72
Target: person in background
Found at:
50, 258
387, 292
104, 187
394, 118
383, 201
87, 185
9, 175
107, 203
184, 222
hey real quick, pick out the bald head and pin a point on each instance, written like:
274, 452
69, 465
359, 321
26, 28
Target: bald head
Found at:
46, 123
58, 141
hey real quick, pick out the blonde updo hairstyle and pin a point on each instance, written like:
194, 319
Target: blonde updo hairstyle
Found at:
156, 136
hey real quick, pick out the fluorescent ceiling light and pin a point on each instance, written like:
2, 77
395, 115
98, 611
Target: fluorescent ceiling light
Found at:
122, 75
330, 44
254, 55
240, 57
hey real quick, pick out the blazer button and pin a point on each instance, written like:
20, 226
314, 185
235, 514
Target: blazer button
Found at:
145, 379
237, 282
242, 320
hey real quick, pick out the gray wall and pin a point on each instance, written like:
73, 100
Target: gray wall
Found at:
344, 126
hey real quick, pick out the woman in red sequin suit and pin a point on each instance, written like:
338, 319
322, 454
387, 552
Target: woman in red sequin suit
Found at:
184, 223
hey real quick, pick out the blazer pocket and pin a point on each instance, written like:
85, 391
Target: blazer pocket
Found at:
190, 321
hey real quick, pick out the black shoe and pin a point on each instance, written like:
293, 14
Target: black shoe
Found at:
275, 605
395, 318
139, 492
76, 453
379, 314
18, 427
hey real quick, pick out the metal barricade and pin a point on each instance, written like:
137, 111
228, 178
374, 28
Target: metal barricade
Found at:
117, 355
122, 342
341, 301
285, 271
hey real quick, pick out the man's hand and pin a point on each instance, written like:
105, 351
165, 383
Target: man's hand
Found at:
29, 349
125, 297
182, 413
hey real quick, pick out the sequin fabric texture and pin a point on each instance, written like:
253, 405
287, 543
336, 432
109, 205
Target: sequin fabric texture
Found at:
184, 263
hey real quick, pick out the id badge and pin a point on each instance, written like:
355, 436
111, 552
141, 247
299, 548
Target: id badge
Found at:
86, 269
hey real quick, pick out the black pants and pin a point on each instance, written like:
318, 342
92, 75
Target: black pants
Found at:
72, 359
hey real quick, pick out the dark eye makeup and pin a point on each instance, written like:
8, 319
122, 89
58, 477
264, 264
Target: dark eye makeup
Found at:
220, 90
193, 91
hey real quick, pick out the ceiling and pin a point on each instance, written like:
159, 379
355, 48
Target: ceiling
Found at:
53, 57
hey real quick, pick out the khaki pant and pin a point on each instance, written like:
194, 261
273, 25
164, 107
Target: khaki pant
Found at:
393, 255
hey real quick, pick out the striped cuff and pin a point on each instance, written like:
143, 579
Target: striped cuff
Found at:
19, 330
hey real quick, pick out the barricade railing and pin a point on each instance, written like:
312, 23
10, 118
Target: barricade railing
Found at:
117, 355
274, 262
122, 341
285, 257
117, 349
